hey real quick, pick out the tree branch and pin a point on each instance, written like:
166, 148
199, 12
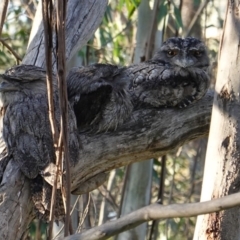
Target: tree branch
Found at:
156, 211
82, 21
149, 133
18, 58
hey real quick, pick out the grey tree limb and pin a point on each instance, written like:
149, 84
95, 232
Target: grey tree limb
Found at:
149, 133
153, 212
83, 18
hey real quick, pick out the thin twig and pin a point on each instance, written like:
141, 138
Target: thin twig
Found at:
85, 212
3, 13
74, 205
172, 186
160, 191
18, 58
109, 197
126, 177
29, 8
61, 74
95, 210
157, 211
47, 10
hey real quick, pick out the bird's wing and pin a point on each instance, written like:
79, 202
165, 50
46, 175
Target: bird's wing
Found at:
99, 95
28, 135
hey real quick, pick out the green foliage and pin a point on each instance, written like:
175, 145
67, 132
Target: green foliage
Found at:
112, 42
177, 16
37, 230
131, 5
182, 185
169, 12
16, 31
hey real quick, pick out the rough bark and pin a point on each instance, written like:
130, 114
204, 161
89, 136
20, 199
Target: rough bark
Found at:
149, 133
222, 176
83, 18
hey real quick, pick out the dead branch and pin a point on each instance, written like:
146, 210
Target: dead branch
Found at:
156, 211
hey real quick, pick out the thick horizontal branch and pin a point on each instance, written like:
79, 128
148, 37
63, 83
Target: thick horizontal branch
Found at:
154, 212
149, 133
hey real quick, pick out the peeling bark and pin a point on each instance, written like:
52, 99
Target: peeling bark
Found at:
222, 175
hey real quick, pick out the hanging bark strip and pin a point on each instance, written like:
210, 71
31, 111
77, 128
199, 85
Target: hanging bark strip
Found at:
47, 10
60, 140
61, 6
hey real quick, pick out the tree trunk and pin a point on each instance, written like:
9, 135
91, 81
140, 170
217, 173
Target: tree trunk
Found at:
136, 195
83, 18
221, 176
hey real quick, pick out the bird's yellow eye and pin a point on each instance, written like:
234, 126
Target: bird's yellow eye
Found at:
172, 52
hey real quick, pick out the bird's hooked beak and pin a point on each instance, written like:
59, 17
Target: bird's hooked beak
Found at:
185, 62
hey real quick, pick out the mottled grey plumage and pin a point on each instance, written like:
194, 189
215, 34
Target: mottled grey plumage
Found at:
26, 131
177, 75
100, 96
104, 95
